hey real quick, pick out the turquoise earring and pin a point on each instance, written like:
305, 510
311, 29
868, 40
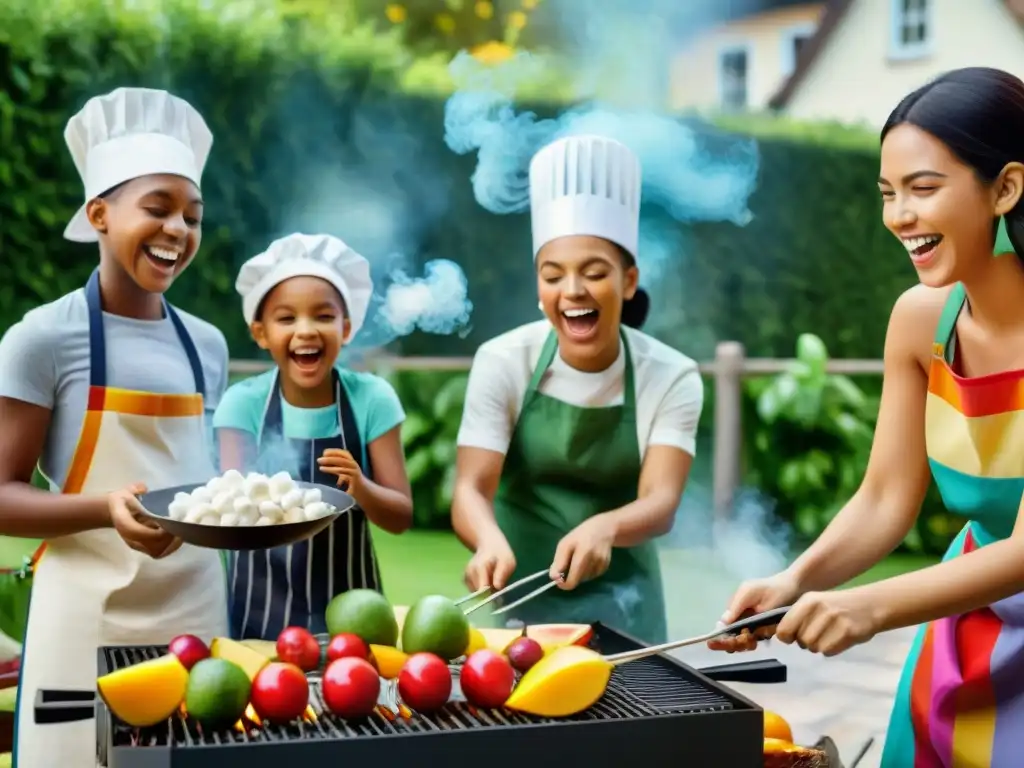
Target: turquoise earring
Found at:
1003, 244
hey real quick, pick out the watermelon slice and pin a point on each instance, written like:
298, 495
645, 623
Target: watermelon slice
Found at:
552, 636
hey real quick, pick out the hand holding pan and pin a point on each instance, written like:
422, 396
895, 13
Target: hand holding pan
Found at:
541, 693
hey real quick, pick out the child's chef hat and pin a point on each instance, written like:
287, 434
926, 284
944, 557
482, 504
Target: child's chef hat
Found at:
585, 185
299, 255
133, 132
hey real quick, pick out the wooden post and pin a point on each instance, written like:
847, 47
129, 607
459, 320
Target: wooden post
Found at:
728, 437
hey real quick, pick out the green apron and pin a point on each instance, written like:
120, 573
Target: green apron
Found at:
566, 463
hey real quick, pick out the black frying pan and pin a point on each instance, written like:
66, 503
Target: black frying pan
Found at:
156, 503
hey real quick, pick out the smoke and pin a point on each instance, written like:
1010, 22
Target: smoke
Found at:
385, 207
436, 303
684, 176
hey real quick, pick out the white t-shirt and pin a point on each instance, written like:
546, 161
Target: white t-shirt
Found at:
669, 389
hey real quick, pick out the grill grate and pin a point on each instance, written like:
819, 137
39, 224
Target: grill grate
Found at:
656, 692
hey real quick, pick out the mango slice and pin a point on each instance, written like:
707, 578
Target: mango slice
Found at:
389, 660
563, 683
145, 694
251, 661
266, 647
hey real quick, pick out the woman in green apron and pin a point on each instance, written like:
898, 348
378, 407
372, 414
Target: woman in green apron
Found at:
578, 430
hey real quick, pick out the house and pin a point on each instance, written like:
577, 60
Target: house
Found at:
868, 54
740, 62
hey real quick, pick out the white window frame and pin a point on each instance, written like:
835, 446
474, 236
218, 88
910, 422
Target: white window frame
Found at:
728, 50
787, 57
900, 50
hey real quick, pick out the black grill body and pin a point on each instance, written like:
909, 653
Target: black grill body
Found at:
656, 713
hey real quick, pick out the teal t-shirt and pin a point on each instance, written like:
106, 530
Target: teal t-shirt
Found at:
374, 402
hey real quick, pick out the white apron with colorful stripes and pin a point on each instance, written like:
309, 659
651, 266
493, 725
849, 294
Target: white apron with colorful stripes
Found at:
91, 589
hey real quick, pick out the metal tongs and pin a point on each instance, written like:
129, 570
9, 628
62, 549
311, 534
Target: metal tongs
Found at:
501, 592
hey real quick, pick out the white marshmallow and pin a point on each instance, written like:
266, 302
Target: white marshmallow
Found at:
292, 499
249, 517
210, 520
310, 496
233, 479
182, 498
202, 495
264, 521
197, 512
294, 515
257, 490
229, 520
223, 503
280, 484
271, 510
177, 510
243, 505
316, 509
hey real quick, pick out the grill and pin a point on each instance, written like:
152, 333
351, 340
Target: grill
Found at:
657, 710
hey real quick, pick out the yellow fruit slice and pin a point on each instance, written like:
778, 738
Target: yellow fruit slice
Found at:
565, 682
499, 639
251, 661
389, 660
147, 693
477, 641
266, 647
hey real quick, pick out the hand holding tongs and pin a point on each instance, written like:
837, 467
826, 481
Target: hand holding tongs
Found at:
766, 619
509, 588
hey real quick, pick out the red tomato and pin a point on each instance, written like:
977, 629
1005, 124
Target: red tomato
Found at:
280, 692
189, 649
344, 645
295, 645
425, 682
350, 687
487, 679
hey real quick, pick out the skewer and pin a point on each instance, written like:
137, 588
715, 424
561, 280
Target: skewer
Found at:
509, 588
469, 597
757, 621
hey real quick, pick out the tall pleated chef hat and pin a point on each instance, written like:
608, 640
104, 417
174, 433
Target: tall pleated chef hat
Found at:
585, 185
129, 133
299, 255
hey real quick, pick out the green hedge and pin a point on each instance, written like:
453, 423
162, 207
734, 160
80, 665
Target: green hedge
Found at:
297, 115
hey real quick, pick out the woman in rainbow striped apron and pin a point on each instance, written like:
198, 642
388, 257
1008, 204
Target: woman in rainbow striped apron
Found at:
951, 179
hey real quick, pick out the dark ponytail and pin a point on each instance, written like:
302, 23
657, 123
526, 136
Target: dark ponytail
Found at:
634, 311
978, 113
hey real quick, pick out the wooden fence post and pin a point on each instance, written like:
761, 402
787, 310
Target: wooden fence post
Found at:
728, 437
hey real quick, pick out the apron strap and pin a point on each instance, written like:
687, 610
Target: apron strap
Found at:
273, 421
98, 346
945, 341
547, 356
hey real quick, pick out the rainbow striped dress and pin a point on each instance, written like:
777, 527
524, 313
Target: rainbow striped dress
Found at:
960, 701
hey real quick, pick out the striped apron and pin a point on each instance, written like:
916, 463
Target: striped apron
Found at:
960, 700
291, 586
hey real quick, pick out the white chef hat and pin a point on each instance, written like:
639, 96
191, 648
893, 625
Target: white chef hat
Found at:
133, 132
300, 255
585, 185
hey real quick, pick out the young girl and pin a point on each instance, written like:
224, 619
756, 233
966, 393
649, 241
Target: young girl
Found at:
104, 388
579, 431
304, 299
951, 182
